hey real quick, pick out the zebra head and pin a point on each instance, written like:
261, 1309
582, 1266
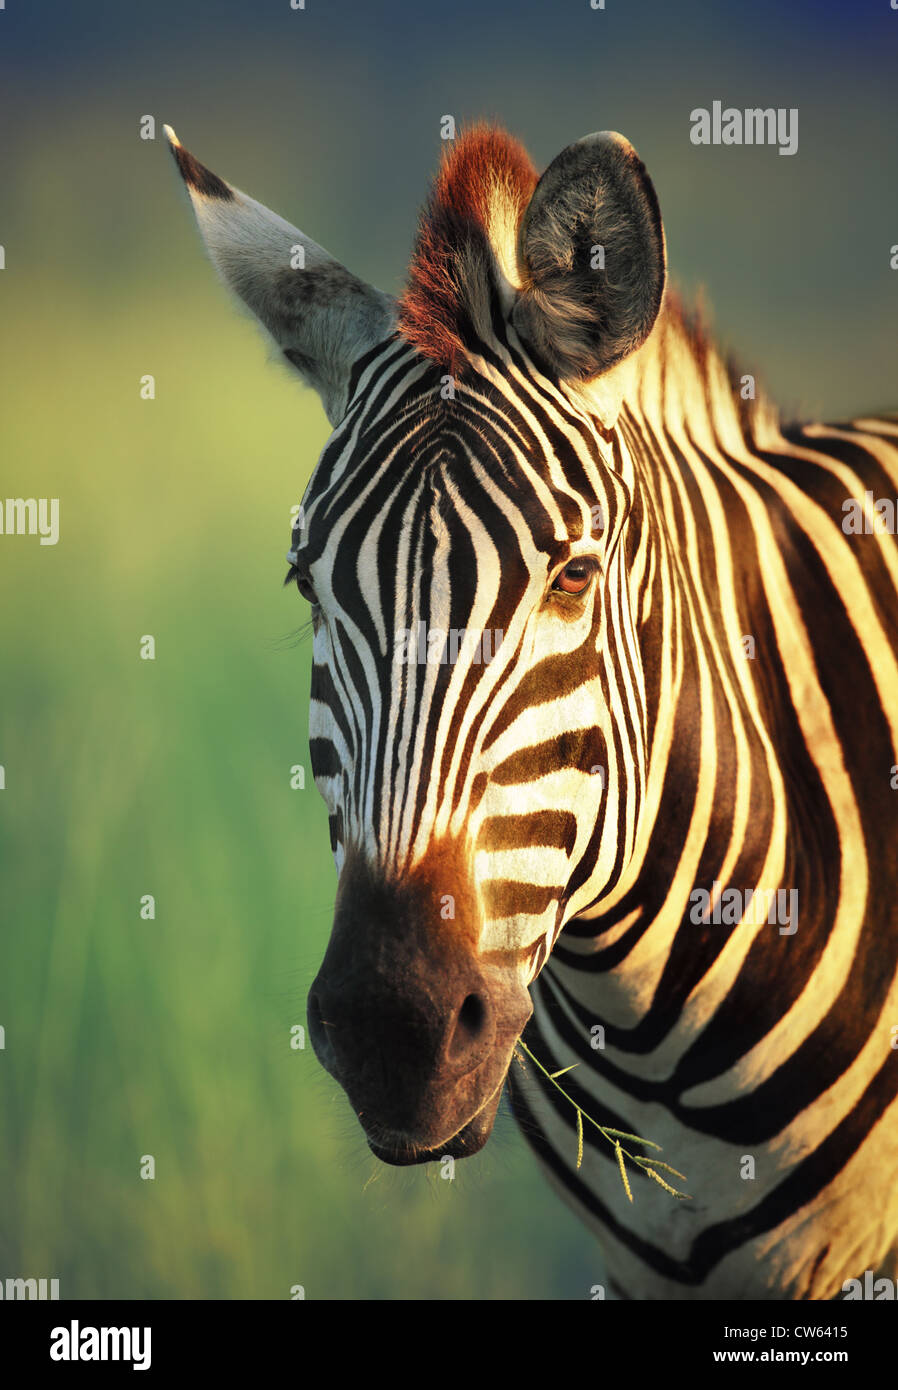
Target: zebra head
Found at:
470, 543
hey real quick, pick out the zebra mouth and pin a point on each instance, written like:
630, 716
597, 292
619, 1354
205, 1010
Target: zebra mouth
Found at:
402, 1151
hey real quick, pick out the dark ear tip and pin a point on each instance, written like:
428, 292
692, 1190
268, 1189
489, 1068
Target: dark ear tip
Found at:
197, 177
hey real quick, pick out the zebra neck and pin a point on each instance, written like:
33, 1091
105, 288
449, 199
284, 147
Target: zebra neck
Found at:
713, 781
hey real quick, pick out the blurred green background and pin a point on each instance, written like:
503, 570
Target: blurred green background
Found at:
171, 1037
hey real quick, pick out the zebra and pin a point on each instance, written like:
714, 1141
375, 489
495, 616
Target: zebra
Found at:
690, 692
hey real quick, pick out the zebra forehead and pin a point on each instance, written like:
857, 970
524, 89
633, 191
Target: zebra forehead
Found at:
438, 486
486, 437
466, 241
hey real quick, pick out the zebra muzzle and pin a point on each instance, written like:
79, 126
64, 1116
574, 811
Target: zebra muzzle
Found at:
417, 1029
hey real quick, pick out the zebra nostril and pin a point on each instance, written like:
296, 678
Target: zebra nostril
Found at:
469, 1026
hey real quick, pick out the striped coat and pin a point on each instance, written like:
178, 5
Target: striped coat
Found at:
603, 711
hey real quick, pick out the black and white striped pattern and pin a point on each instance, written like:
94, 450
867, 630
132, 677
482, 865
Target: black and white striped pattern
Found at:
716, 710
721, 1041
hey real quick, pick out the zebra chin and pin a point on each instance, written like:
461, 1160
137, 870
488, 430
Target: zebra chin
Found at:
401, 1151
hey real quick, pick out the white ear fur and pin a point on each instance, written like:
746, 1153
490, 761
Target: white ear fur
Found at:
321, 316
604, 395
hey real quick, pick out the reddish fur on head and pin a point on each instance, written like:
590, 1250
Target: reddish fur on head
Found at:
453, 263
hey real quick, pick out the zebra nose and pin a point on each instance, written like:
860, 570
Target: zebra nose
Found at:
366, 1024
471, 1023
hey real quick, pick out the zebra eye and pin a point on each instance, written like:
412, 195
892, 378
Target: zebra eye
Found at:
575, 576
304, 586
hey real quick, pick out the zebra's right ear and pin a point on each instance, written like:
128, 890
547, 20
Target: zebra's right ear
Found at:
591, 259
320, 315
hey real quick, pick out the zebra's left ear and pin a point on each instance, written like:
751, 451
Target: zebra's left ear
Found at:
322, 317
591, 259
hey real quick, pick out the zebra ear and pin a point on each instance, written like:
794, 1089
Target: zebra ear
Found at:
322, 317
591, 259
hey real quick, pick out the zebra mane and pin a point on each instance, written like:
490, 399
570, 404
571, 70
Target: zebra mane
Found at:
466, 244
684, 372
